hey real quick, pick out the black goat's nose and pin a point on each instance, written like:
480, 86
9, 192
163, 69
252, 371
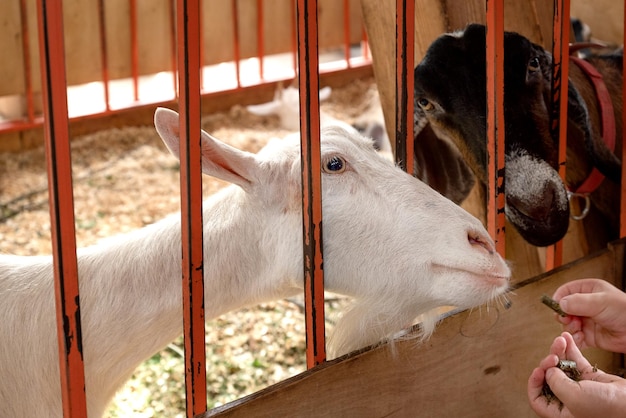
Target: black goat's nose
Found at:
538, 206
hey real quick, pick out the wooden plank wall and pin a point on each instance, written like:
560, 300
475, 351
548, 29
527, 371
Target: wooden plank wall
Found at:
475, 365
154, 32
604, 17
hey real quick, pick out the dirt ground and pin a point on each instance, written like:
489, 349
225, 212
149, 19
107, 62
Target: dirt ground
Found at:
125, 179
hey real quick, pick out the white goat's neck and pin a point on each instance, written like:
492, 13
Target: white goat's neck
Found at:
131, 286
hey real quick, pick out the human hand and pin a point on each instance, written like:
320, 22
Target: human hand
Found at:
596, 314
596, 394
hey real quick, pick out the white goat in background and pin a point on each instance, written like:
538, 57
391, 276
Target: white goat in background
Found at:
391, 242
286, 105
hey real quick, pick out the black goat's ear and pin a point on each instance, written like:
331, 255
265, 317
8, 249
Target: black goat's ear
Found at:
440, 165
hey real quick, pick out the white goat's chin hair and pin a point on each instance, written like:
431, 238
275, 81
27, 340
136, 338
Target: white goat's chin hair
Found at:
365, 324
372, 322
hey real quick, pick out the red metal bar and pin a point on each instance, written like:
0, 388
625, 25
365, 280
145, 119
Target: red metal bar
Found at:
103, 53
174, 55
346, 31
495, 122
28, 84
294, 37
622, 224
201, 17
405, 15
558, 115
260, 37
58, 155
191, 205
134, 49
311, 181
236, 50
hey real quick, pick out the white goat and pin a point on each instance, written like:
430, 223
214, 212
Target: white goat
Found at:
391, 242
286, 105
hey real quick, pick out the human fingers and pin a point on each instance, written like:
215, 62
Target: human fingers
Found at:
558, 349
572, 352
581, 286
600, 395
542, 401
588, 305
535, 383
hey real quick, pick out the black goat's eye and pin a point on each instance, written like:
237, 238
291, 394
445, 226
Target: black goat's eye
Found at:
334, 165
533, 64
425, 104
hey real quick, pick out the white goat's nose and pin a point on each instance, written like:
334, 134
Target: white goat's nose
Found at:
477, 239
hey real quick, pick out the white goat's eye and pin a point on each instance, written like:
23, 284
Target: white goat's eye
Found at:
334, 165
425, 104
533, 65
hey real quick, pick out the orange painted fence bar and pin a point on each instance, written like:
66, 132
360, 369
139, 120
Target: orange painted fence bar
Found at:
495, 122
104, 54
188, 40
51, 46
28, 83
558, 113
308, 78
405, 49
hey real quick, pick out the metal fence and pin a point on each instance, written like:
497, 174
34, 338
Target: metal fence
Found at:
189, 82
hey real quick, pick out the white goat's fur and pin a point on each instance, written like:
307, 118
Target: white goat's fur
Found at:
286, 105
395, 245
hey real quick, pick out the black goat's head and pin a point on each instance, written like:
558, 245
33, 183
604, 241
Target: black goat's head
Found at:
450, 101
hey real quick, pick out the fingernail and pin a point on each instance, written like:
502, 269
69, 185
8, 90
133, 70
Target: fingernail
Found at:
563, 303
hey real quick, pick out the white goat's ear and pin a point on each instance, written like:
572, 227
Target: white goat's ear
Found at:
325, 93
218, 159
264, 109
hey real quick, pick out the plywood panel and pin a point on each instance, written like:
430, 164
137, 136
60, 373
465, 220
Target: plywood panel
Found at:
117, 17
476, 364
11, 76
82, 41
331, 22
279, 17
519, 16
430, 22
604, 17
154, 36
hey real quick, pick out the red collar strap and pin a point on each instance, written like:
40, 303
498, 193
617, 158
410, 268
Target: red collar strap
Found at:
606, 112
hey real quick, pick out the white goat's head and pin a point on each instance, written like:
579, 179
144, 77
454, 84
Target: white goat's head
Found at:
390, 241
286, 105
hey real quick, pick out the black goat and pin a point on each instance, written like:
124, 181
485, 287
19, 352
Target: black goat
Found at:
450, 109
